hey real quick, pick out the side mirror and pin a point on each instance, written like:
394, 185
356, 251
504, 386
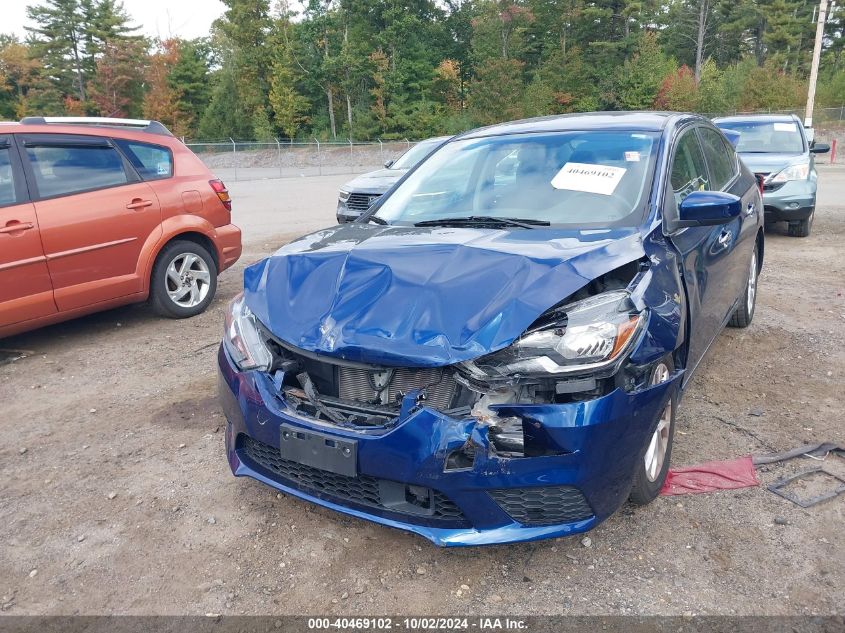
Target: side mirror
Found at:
388, 163
708, 208
820, 148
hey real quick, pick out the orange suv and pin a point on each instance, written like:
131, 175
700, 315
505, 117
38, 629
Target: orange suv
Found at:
97, 213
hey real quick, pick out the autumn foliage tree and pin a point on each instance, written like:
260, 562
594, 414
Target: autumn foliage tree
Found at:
116, 89
18, 74
366, 69
496, 93
161, 102
289, 106
446, 86
678, 91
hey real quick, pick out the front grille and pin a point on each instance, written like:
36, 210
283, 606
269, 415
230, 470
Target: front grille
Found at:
359, 384
362, 490
543, 506
361, 201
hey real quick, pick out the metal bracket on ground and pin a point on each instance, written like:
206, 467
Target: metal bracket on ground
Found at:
779, 486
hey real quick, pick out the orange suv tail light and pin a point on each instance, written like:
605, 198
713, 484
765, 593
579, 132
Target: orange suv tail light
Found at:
222, 193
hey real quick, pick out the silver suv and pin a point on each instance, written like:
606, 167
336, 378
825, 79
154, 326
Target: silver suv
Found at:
778, 148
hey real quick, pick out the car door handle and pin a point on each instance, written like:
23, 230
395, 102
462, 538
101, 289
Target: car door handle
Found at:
749, 209
725, 238
137, 203
15, 227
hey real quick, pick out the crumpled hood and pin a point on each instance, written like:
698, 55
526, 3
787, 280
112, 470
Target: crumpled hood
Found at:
377, 181
423, 297
769, 163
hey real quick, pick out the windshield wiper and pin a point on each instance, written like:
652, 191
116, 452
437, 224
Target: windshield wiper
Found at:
482, 220
377, 220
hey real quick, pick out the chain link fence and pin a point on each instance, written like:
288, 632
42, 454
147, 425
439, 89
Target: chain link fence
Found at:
247, 160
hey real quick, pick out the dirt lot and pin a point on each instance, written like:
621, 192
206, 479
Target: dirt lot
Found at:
117, 497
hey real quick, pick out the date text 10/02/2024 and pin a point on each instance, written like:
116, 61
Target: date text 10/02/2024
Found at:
417, 624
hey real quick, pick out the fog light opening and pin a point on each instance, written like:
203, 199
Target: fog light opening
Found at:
418, 496
507, 436
462, 458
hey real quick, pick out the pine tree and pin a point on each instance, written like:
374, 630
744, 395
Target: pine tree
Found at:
71, 35
59, 43
496, 94
247, 27
639, 80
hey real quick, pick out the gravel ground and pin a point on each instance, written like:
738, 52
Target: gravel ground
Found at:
117, 497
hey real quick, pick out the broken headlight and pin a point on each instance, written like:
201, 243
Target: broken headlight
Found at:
582, 336
241, 337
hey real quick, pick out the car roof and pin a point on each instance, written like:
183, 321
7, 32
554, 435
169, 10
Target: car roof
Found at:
435, 139
640, 121
131, 129
762, 118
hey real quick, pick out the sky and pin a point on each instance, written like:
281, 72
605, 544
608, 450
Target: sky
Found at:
157, 18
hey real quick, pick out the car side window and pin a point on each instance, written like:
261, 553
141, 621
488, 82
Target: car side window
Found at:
152, 162
65, 169
689, 172
721, 162
7, 182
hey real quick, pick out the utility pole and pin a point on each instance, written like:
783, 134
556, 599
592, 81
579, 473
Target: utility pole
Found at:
814, 68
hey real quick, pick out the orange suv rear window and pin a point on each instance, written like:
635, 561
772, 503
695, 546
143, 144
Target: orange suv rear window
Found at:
152, 162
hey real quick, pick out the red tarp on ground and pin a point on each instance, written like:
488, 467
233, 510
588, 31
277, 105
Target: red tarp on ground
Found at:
711, 476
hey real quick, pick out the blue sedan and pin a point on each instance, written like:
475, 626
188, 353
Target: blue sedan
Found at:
496, 351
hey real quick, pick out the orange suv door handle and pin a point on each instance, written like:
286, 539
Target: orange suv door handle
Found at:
14, 227
137, 203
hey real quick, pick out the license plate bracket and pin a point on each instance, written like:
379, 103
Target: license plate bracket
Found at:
319, 450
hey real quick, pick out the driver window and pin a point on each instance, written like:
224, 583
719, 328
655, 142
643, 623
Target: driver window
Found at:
689, 172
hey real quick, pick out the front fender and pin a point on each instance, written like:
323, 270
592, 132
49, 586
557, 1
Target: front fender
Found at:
660, 289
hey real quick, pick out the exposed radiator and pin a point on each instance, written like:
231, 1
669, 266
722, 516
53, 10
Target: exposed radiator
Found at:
363, 385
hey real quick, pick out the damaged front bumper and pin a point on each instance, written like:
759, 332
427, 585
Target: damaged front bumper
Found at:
404, 478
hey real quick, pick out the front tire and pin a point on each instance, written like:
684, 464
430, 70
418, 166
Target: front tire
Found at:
654, 464
184, 280
801, 228
744, 312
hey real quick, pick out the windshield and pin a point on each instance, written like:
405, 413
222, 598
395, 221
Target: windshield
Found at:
414, 155
766, 137
586, 179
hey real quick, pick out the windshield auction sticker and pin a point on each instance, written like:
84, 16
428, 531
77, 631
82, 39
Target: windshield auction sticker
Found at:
600, 179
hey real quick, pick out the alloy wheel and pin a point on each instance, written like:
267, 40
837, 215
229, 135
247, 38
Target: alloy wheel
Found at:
188, 280
752, 283
655, 455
